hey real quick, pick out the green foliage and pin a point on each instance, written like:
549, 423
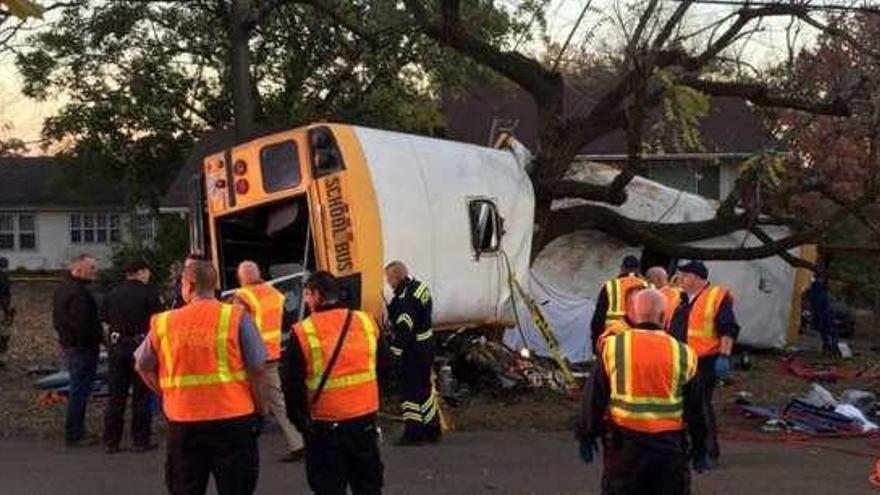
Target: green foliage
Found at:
142, 80
170, 246
682, 109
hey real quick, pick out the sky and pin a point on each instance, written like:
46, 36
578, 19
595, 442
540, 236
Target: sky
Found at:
25, 116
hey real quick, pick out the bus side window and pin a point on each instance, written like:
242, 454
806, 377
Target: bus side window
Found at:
326, 157
487, 227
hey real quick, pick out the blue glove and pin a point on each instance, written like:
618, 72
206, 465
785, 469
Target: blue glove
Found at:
587, 450
722, 367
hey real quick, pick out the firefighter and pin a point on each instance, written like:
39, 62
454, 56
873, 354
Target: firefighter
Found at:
265, 304
412, 343
705, 320
635, 403
332, 394
611, 302
205, 361
658, 277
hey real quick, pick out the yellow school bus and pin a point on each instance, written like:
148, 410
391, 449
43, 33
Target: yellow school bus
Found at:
351, 199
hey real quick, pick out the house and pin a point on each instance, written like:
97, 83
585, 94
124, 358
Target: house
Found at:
49, 215
731, 133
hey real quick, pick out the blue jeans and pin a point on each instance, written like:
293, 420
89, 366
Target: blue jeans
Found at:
82, 363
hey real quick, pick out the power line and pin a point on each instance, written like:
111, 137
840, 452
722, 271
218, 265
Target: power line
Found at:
826, 7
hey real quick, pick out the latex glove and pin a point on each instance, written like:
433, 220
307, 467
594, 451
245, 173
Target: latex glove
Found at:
722, 367
587, 451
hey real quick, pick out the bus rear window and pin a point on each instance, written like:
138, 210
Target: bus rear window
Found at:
279, 163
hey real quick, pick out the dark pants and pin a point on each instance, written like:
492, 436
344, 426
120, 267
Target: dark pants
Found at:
342, 455
633, 468
421, 412
700, 412
226, 449
824, 324
122, 377
82, 363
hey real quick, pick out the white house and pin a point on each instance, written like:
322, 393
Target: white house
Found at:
46, 218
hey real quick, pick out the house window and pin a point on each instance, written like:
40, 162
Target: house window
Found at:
94, 228
7, 232
18, 231
486, 226
144, 227
27, 232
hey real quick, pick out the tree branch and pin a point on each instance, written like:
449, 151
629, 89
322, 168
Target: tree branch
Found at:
544, 85
759, 94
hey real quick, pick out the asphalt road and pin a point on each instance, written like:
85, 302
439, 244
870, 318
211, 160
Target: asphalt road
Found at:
466, 463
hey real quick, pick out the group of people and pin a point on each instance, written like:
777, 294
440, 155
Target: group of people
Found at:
661, 350
219, 367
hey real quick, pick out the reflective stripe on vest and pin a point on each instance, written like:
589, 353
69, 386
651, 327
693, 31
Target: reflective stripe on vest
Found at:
616, 291
223, 373
352, 379
702, 334
632, 405
267, 309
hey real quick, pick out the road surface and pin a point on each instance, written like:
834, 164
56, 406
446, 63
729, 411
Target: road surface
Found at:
465, 463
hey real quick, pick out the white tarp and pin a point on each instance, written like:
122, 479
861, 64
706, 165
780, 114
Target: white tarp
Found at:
576, 265
568, 314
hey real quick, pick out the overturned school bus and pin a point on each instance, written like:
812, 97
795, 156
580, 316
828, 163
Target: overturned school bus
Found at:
350, 199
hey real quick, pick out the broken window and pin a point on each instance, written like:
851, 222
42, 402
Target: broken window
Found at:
486, 226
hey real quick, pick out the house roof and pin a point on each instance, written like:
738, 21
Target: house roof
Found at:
730, 126
46, 182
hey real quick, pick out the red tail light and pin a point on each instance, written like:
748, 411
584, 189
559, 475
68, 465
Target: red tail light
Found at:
242, 186
220, 184
240, 167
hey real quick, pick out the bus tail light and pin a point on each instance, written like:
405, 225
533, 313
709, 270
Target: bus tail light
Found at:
242, 186
240, 167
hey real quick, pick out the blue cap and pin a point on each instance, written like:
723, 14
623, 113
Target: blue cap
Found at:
695, 268
631, 262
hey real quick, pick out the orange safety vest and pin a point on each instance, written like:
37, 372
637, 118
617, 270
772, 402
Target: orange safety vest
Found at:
351, 391
673, 299
266, 305
702, 335
647, 371
612, 329
201, 369
616, 291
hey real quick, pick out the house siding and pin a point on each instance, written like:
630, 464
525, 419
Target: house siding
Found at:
54, 248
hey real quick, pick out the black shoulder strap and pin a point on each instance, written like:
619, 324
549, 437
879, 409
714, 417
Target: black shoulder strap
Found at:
333, 358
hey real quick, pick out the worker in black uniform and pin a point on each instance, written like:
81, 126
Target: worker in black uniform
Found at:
412, 343
127, 310
7, 312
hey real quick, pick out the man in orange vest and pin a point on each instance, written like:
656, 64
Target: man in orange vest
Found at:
658, 277
205, 361
611, 302
705, 320
618, 326
635, 405
265, 304
329, 380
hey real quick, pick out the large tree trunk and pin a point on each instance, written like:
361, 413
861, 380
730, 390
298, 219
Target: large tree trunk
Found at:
244, 104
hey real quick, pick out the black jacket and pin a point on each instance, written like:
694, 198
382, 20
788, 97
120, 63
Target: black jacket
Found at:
75, 314
409, 313
128, 307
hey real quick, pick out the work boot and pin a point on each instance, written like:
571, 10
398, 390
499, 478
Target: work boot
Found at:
82, 442
702, 463
293, 456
